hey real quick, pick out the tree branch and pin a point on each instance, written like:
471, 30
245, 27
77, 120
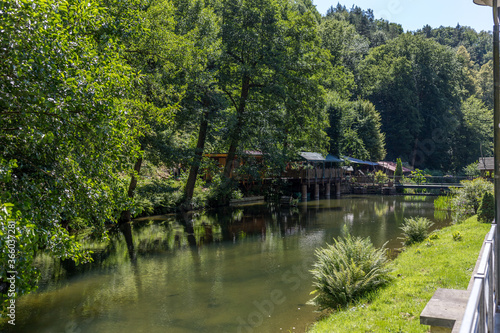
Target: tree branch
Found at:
231, 98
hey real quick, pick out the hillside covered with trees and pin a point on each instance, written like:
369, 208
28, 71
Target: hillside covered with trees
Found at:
101, 99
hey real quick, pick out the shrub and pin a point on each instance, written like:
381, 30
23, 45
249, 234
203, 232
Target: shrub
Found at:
472, 170
415, 229
347, 270
466, 199
381, 177
457, 236
486, 210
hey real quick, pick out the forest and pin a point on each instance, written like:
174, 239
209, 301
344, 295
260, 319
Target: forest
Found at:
108, 106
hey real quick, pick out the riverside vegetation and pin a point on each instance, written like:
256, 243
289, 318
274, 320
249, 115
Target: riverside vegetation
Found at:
445, 261
367, 294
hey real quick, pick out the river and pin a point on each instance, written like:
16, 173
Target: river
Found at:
243, 269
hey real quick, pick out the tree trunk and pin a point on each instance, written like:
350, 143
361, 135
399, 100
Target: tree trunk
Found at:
126, 215
414, 153
235, 137
200, 146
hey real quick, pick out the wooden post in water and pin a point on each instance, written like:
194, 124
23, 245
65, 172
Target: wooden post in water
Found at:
337, 189
316, 191
304, 192
327, 190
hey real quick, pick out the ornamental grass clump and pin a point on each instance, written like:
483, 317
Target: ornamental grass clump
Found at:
347, 270
415, 229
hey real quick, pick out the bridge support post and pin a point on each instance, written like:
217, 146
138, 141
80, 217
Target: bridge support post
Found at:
327, 190
337, 189
304, 192
316, 191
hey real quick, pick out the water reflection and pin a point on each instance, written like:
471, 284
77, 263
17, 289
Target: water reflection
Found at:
232, 270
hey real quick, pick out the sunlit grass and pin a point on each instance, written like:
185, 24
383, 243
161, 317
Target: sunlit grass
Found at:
438, 263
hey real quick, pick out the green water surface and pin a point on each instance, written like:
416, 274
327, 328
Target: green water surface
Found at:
242, 269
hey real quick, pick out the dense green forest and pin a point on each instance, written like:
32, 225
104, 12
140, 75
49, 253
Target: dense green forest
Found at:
102, 99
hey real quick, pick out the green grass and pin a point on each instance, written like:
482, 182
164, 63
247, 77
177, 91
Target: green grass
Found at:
439, 262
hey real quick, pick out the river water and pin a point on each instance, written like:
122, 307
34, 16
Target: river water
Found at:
243, 269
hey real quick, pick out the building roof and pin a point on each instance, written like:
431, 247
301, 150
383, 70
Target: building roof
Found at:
358, 161
391, 166
312, 157
333, 158
253, 152
486, 163
245, 152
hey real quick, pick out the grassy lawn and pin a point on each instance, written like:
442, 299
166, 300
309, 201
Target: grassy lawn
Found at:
440, 263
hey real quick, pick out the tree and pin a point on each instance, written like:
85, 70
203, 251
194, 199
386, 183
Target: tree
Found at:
474, 136
485, 84
415, 83
355, 129
398, 173
203, 99
346, 46
64, 123
270, 56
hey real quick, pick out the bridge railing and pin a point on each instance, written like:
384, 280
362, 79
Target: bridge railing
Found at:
480, 310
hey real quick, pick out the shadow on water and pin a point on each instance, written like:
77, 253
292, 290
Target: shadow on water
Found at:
224, 266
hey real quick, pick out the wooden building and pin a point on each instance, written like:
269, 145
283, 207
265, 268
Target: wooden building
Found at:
486, 166
389, 168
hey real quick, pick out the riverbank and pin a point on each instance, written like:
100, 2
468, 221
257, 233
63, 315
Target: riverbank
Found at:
442, 262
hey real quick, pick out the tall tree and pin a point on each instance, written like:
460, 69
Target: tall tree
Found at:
355, 129
416, 84
155, 51
203, 100
474, 137
270, 57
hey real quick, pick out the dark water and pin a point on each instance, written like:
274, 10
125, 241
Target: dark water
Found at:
244, 269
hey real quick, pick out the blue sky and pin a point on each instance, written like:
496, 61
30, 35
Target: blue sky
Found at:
414, 14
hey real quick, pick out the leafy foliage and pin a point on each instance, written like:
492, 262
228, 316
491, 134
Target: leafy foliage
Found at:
347, 270
381, 177
355, 129
63, 121
417, 84
457, 236
415, 229
472, 170
466, 199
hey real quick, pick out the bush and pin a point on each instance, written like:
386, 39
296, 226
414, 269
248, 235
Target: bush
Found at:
457, 236
347, 270
486, 210
381, 177
443, 203
415, 229
467, 198
472, 170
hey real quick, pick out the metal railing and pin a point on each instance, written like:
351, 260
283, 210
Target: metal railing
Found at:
480, 311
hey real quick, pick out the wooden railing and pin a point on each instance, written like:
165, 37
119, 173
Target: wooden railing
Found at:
480, 310
315, 173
